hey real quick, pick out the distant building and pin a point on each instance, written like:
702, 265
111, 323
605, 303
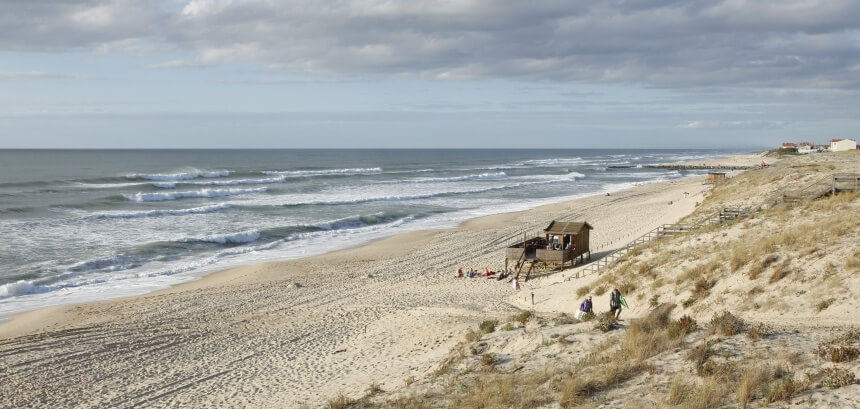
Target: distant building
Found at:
789, 147
805, 147
842, 145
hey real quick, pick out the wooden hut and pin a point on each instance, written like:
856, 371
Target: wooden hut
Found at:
716, 177
560, 243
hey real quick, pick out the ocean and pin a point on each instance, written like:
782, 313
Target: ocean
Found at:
86, 225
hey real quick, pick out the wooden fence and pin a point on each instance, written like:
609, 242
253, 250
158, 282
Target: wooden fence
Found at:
828, 185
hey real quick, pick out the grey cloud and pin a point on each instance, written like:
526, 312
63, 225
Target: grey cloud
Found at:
57, 25
34, 75
664, 43
171, 64
749, 124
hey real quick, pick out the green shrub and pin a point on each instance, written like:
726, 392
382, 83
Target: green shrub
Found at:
523, 317
488, 326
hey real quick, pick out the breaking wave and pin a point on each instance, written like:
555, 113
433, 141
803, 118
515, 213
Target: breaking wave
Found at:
185, 174
162, 196
482, 176
167, 212
348, 171
235, 238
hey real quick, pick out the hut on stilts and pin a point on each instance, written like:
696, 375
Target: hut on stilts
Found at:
560, 243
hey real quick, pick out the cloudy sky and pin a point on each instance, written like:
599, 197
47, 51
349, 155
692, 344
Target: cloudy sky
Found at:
427, 73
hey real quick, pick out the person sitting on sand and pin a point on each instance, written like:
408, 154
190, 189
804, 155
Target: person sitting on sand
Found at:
584, 308
459, 273
487, 272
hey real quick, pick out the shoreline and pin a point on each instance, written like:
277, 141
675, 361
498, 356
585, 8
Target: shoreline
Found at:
325, 324
199, 277
204, 273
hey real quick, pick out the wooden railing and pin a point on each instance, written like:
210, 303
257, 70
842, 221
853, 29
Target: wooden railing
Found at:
814, 190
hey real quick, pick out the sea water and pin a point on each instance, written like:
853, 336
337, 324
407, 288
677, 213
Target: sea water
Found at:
84, 225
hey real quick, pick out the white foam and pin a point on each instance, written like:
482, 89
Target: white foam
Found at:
215, 173
347, 171
18, 288
552, 162
164, 185
234, 238
237, 182
166, 212
156, 197
107, 185
408, 191
482, 176
185, 174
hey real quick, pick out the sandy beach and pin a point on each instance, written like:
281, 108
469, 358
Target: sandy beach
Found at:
301, 331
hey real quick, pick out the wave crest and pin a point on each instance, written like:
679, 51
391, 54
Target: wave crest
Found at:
158, 197
185, 174
234, 238
347, 171
482, 176
21, 287
167, 212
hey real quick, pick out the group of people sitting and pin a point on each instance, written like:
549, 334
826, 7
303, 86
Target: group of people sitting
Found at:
616, 300
486, 273
554, 244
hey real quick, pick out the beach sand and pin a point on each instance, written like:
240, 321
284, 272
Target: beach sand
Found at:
302, 331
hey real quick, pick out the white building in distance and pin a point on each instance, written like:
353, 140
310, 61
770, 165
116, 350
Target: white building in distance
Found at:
805, 147
842, 145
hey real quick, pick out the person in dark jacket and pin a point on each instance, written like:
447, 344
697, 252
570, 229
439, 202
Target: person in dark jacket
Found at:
615, 303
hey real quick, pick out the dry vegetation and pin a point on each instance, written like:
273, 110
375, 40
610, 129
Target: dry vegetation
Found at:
737, 278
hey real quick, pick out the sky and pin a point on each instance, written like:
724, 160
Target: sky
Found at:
727, 74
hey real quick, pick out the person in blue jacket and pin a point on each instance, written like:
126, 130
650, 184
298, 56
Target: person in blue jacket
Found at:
584, 308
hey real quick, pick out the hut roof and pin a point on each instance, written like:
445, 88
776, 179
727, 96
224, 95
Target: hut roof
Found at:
557, 227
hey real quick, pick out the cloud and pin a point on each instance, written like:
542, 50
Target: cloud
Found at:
173, 64
748, 124
59, 25
663, 43
33, 75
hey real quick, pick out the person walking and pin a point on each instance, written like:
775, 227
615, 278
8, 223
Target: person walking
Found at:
584, 308
615, 302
